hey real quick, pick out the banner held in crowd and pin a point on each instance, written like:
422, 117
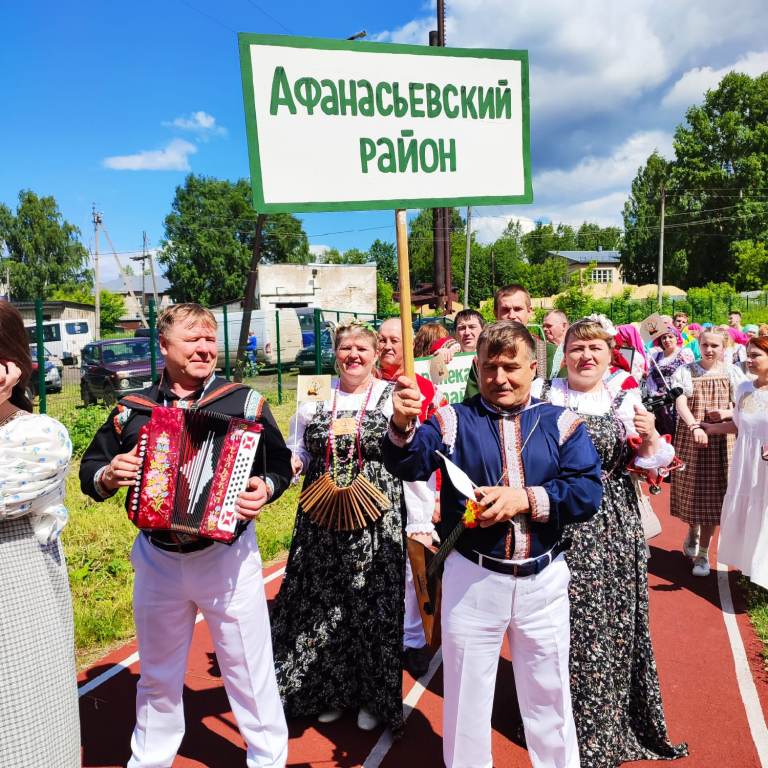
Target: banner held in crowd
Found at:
453, 383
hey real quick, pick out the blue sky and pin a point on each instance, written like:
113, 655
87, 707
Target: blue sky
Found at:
86, 84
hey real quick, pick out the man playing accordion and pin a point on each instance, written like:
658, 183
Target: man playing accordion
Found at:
177, 574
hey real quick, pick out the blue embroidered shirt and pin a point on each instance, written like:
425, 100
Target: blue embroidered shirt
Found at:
546, 450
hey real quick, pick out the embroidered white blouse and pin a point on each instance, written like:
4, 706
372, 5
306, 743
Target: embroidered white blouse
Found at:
34, 457
598, 403
345, 401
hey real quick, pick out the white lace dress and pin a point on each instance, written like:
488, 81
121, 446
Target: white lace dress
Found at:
39, 724
744, 521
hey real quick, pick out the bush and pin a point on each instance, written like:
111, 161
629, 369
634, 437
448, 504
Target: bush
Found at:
82, 424
712, 303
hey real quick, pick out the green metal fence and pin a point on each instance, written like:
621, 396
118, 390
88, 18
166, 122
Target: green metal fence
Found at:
125, 361
713, 309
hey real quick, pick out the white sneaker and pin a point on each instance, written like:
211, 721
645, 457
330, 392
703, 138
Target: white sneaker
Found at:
700, 566
365, 720
330, 716
691, 546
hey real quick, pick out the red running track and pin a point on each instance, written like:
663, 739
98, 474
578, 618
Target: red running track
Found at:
699, 684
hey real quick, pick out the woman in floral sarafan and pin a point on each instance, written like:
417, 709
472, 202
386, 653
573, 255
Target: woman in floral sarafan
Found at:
614, 682
337, 626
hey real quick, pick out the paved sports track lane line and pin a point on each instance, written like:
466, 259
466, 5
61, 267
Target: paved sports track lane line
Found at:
744, 677
134, 657
706, 663
383, 745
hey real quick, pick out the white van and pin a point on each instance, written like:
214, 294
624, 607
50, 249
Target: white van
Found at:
63, 338
264, 328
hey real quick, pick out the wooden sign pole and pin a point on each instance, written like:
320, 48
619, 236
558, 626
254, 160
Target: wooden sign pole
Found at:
404, 278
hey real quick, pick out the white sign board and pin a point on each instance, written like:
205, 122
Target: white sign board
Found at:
453, 382
337, 125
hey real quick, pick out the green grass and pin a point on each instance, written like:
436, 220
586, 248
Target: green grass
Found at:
97, 542
98, 539
757, 607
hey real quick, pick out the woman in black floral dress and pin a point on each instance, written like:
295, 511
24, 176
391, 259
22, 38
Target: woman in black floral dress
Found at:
614, 682
337, 625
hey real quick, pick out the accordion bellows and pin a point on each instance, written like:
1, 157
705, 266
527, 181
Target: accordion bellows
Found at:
194, 465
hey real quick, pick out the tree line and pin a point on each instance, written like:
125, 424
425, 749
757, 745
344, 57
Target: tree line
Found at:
715, 192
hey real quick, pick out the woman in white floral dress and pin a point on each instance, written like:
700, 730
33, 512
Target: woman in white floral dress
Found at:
744, 521
39, 723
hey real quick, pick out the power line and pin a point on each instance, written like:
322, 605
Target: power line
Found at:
269, 16
208, 16
644, 224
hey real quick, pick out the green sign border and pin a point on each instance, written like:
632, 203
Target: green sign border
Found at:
246, 39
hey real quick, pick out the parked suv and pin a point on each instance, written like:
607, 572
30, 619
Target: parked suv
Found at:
113, 368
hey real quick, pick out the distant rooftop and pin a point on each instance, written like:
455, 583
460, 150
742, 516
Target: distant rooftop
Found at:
584, 257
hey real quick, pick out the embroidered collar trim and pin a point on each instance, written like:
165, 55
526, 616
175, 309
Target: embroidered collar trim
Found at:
510, 411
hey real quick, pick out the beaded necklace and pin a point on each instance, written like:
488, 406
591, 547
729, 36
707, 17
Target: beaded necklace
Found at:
335, 500
344, 473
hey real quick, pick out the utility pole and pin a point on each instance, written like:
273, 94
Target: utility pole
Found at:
144, 271
97, 288
466, 257
249, 301
146, 255
152, 273
126, 281
441, 217
661, 251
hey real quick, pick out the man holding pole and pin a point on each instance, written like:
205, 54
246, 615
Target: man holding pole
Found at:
535, 469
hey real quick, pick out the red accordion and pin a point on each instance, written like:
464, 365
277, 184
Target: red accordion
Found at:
194, 465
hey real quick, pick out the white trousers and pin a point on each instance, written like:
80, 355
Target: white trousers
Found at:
413, 628
225, 583
479, 607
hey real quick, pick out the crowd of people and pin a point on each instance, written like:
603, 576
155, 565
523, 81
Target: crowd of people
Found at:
553, 433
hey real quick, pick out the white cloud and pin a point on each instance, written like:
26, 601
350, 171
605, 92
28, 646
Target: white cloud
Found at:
173, 157
604, 210
319, 251
200, 123
595, 189
598, 73
488, 228
692, 86
601, 174
596, 56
